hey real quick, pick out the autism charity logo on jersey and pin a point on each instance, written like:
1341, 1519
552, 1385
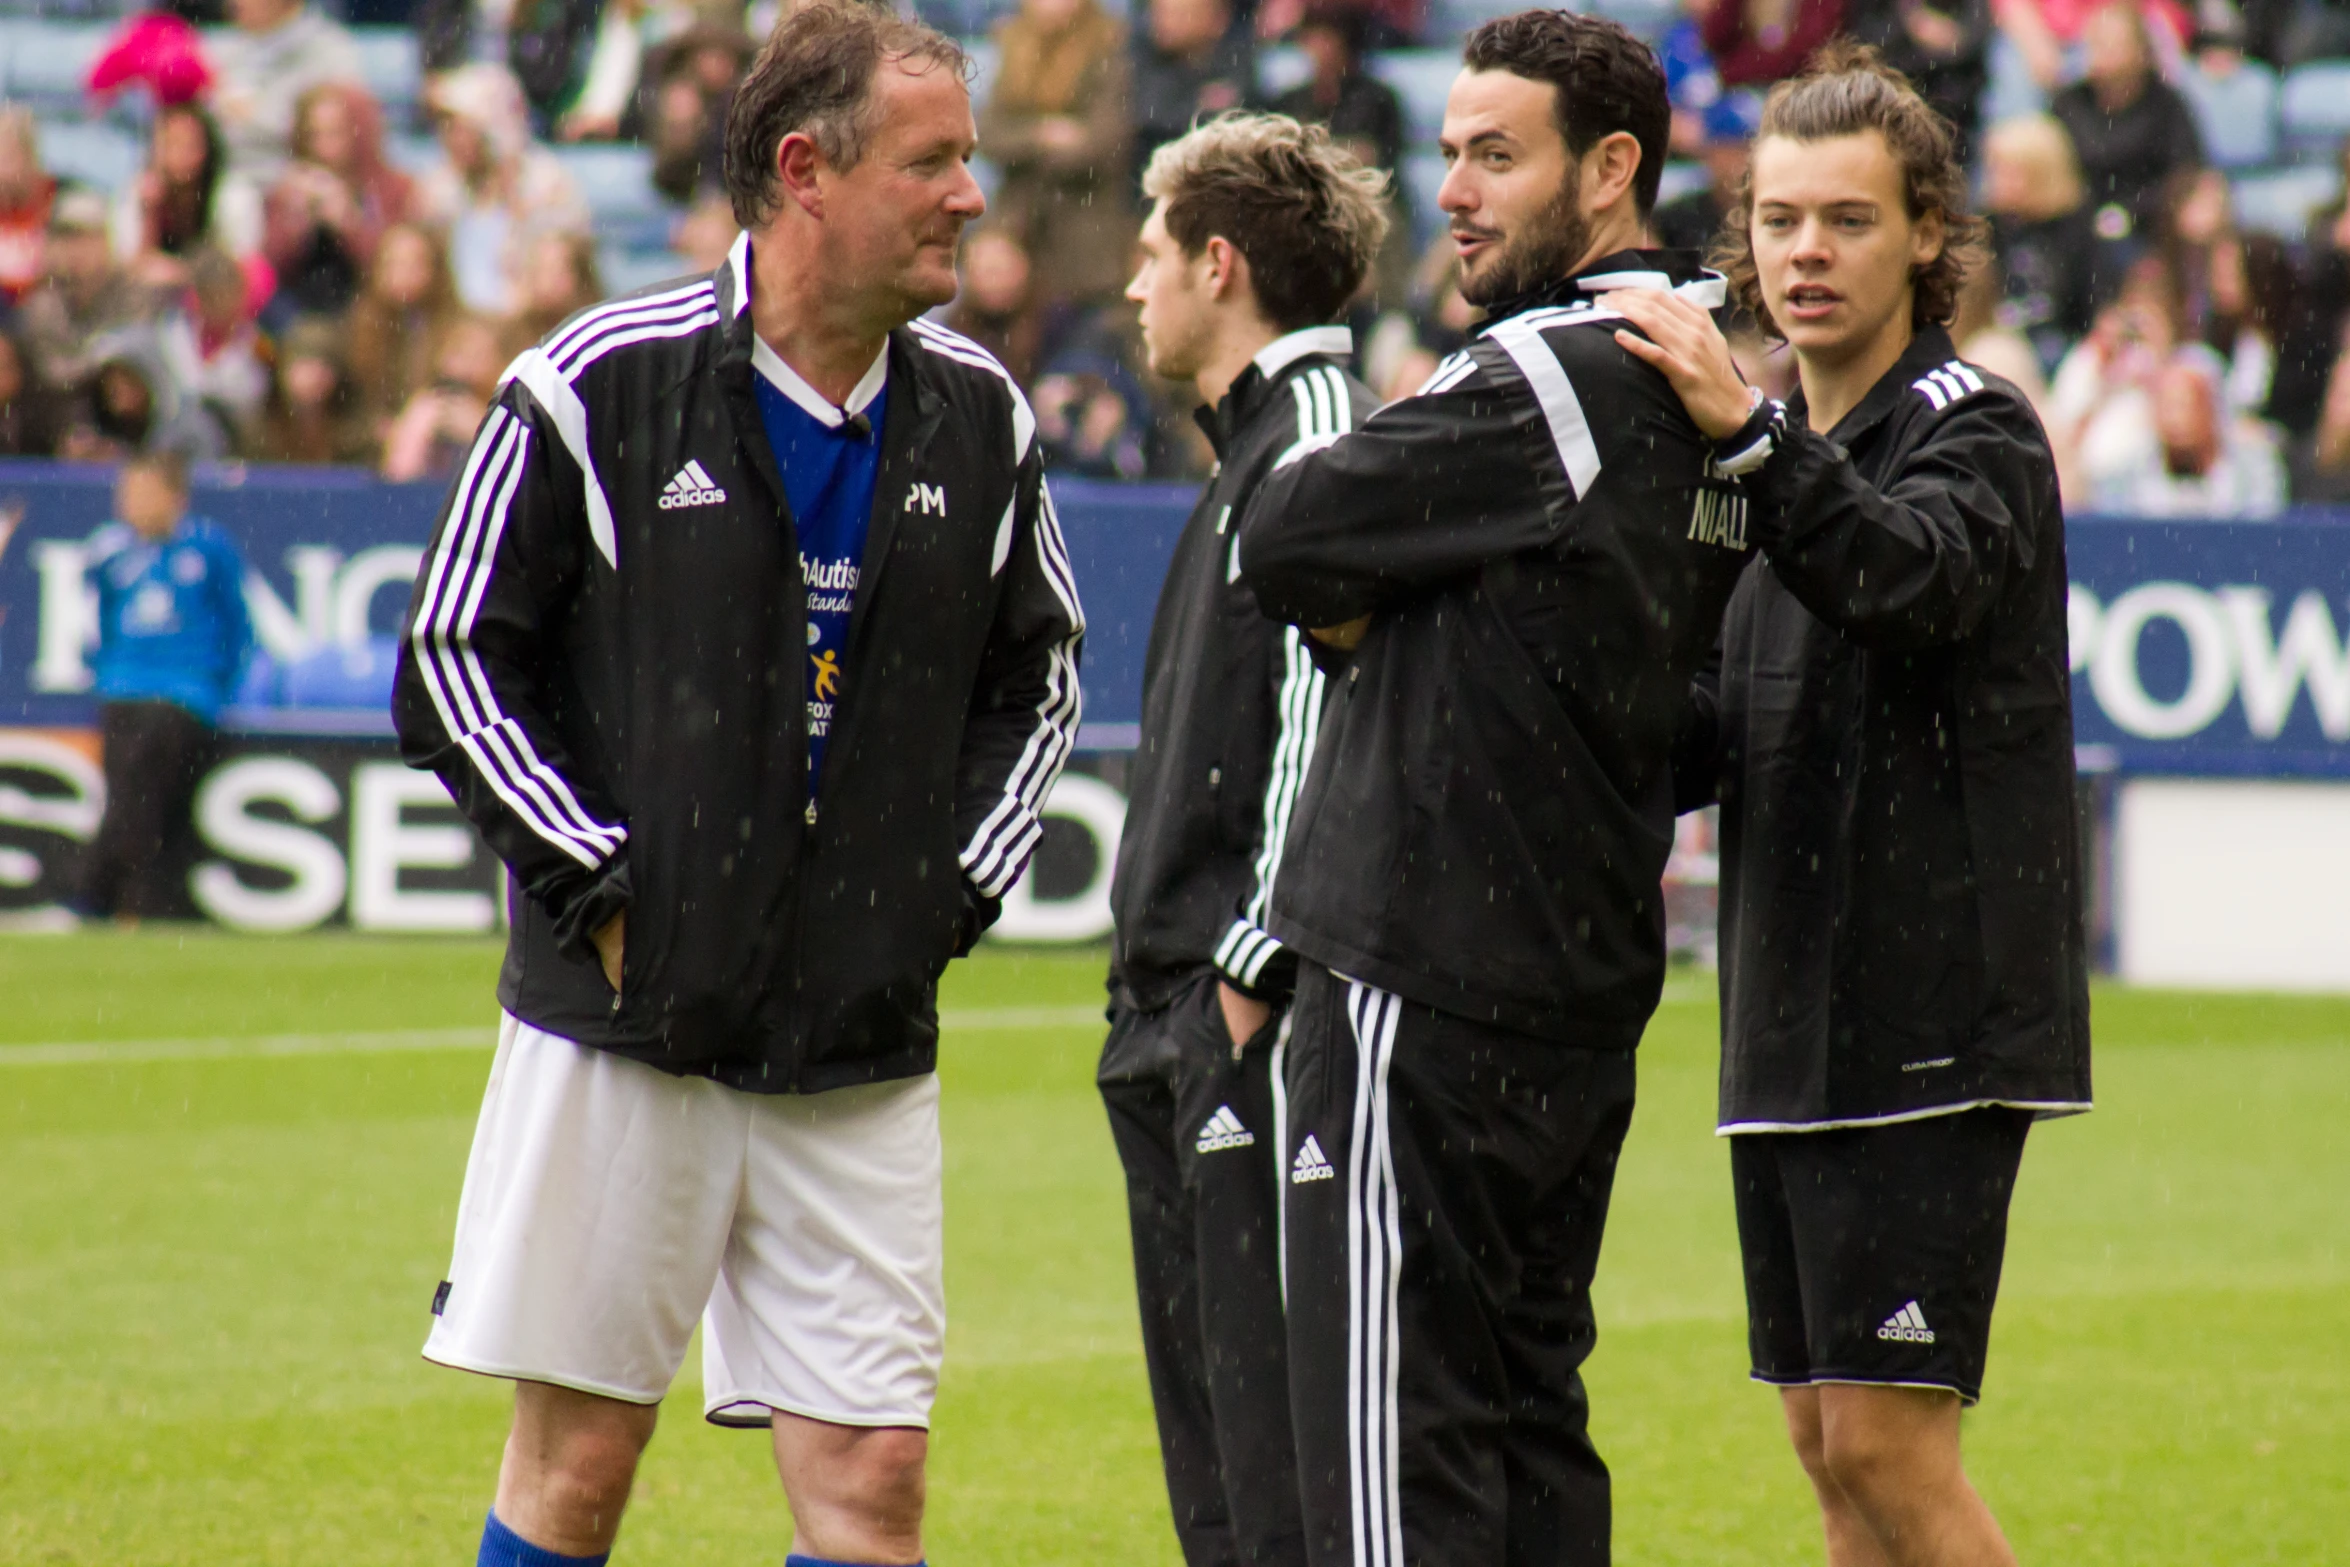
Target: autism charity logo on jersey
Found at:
832, 589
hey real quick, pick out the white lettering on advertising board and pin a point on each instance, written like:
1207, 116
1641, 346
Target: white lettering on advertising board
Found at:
2235, 652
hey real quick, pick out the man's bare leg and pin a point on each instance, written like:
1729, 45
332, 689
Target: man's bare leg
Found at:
569, 1463
1885, 1464
1851, 1542
856, 1492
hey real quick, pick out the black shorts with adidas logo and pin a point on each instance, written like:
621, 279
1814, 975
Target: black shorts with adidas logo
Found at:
1873, 1252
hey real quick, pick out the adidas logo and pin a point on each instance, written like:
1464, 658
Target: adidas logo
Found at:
693, 486
1223, 1131
1310, 1165
1907, 1326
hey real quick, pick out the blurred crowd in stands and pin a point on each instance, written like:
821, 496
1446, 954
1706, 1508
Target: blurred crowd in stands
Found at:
302, 272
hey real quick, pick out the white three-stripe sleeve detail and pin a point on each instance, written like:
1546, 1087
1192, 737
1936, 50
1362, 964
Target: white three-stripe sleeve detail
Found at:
634, 326
1247, 946
561, 345
1570, 432
999, 850
500, 734
953, 345
538, 375
1341, 406
451, 672
1456, 369
1320, 423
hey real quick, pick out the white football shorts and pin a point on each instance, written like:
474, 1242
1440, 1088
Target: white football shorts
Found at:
607, 1205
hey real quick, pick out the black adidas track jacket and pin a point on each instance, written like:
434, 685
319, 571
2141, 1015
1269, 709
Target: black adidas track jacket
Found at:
1488, 814
1231, 704
614, 691
1889, 730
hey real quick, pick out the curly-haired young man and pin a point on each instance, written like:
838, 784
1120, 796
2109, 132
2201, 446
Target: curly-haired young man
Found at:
1888, 729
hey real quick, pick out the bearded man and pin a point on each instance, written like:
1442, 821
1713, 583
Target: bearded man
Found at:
1523, 564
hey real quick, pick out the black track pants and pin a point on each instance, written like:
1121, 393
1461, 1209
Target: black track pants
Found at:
1198, 1135
155, 753
1448, 1183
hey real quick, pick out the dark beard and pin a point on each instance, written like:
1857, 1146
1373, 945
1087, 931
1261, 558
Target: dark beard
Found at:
1543, 254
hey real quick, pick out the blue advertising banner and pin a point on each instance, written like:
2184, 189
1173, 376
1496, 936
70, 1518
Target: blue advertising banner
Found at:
2197, 647
331, 555
2212, 648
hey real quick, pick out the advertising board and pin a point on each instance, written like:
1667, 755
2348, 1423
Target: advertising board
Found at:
2197, 648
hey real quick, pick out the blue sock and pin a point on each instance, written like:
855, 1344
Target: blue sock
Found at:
795, 1559
502, 1547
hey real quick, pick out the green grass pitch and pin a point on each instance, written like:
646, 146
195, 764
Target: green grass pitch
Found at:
215, 1266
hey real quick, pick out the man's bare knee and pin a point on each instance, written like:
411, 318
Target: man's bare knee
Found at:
1889, 1447
1802, 1408
570, 1461
856, 1493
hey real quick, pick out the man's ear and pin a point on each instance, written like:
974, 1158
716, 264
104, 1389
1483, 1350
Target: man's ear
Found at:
797, 160
1927, 238
1227, 268
1611, 167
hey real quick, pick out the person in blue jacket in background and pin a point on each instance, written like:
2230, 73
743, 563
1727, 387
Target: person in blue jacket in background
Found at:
172, 642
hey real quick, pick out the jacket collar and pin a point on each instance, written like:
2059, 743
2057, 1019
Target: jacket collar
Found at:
1929, 350
1680, 272
1240, 399
1282, 352
904, 433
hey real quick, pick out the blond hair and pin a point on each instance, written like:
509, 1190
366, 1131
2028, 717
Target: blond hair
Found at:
1305, 212
2040, 146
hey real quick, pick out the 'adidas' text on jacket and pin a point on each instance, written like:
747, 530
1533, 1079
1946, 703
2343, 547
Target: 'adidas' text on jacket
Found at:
605, 663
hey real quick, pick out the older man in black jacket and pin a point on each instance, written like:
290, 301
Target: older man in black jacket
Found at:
748, 641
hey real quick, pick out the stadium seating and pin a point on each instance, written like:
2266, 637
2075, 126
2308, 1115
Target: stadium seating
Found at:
2237, 114
2279, 201
2314, 108
47, 62
388, 64
2277, 138
95, 152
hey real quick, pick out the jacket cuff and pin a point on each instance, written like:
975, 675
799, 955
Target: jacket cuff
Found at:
1252, 962
1754, 442
979, 912
606, 894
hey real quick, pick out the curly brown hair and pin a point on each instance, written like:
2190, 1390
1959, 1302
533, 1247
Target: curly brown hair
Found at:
1844, 90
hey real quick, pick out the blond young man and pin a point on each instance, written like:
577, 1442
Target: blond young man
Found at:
1260, 232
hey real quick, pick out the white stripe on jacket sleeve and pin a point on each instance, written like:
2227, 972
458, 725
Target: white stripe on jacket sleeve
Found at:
999, 850
1247, 946
1539, 363
457, 578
